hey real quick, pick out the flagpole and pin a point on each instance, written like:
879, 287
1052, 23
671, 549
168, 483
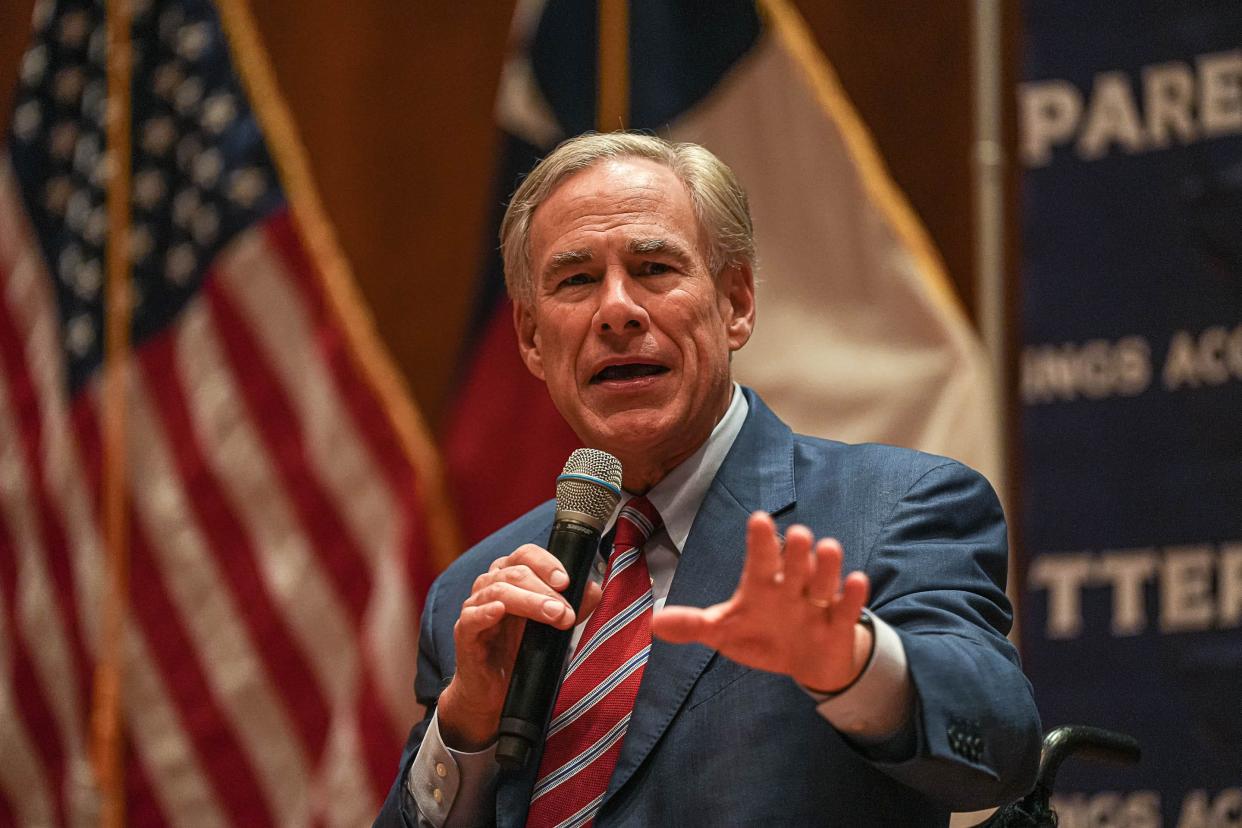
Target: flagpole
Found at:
106, 718
990, 219
612, 111
989, 170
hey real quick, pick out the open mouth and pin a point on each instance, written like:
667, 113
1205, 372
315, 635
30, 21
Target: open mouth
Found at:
628, 371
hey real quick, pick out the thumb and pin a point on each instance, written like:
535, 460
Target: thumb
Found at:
590, 600
682, 625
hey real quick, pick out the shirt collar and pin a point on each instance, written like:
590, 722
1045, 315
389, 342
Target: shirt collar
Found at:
678, 496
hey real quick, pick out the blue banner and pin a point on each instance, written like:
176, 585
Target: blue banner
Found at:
1131, 382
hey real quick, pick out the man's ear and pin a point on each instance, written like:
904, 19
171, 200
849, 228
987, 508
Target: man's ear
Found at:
737, 303
528, 338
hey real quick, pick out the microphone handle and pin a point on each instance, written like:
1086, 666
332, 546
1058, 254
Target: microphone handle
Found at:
541, 655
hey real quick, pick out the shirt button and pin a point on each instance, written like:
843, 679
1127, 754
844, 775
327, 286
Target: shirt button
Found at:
599, 567
437, 795
441, 771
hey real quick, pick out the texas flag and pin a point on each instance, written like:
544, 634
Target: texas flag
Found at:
860, 336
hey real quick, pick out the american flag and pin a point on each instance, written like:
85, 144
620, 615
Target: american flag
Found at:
280, 538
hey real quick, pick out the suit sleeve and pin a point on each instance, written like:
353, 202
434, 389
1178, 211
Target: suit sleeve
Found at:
938, 568
398, 808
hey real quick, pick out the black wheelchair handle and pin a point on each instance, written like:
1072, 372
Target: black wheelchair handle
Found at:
1088, 742
1034, 810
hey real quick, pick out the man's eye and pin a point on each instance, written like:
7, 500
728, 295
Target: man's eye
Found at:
576, 279
654, 268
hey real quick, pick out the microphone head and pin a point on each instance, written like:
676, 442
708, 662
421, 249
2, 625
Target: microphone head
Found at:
590, 485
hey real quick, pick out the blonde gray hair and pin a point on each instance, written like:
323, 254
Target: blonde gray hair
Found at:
718, 199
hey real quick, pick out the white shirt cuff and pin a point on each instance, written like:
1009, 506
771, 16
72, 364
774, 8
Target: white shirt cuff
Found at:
878, 704
451, 787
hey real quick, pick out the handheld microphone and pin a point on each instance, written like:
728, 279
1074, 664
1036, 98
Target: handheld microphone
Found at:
587, 492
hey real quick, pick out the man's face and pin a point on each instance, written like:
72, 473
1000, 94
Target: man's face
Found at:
628, 327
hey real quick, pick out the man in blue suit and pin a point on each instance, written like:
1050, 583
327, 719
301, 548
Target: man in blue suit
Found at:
759, 690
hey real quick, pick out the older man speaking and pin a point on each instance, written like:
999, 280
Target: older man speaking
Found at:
725, 673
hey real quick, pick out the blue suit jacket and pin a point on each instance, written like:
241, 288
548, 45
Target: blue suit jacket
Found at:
712, 742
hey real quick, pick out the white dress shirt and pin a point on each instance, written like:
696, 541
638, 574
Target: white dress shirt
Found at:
455, 788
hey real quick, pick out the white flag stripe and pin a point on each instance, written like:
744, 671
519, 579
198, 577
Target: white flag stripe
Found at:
342, 791
37, 609
236, 674
256, 280
22, 778
159, 738
236, 454
292, 576
157, 735
858, 340
34, 313
391, 616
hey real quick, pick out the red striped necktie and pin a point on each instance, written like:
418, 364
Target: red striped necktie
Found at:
597, 694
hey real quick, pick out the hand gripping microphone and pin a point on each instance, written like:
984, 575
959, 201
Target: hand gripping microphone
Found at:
587, 492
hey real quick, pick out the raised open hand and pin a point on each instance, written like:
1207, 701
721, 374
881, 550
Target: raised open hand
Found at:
792, 613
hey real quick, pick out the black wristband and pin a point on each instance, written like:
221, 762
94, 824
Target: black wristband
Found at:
864, 618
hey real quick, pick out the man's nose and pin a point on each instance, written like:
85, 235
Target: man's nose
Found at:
620, 308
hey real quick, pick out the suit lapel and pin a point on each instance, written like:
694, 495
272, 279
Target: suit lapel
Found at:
756, 474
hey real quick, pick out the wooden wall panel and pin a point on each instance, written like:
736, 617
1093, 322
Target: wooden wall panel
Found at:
907, 67
394, 102
14, 38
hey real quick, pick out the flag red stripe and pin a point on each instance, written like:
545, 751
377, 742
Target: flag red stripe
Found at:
502, 421
229, 770
140, 798
275, 419
380, 736
90, 447
359, 397
27, 409
233, 548
341, 559
381, 746
32, 707
142, 807
7, 816
232, 775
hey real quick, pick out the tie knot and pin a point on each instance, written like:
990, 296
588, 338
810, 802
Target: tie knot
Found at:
637, 522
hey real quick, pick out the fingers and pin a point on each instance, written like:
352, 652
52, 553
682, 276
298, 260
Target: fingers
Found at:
518, 575
824, 582
683, 625
763, 551
523, 584
539, 560
854, 594
590, 599
796, 560
476, 620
